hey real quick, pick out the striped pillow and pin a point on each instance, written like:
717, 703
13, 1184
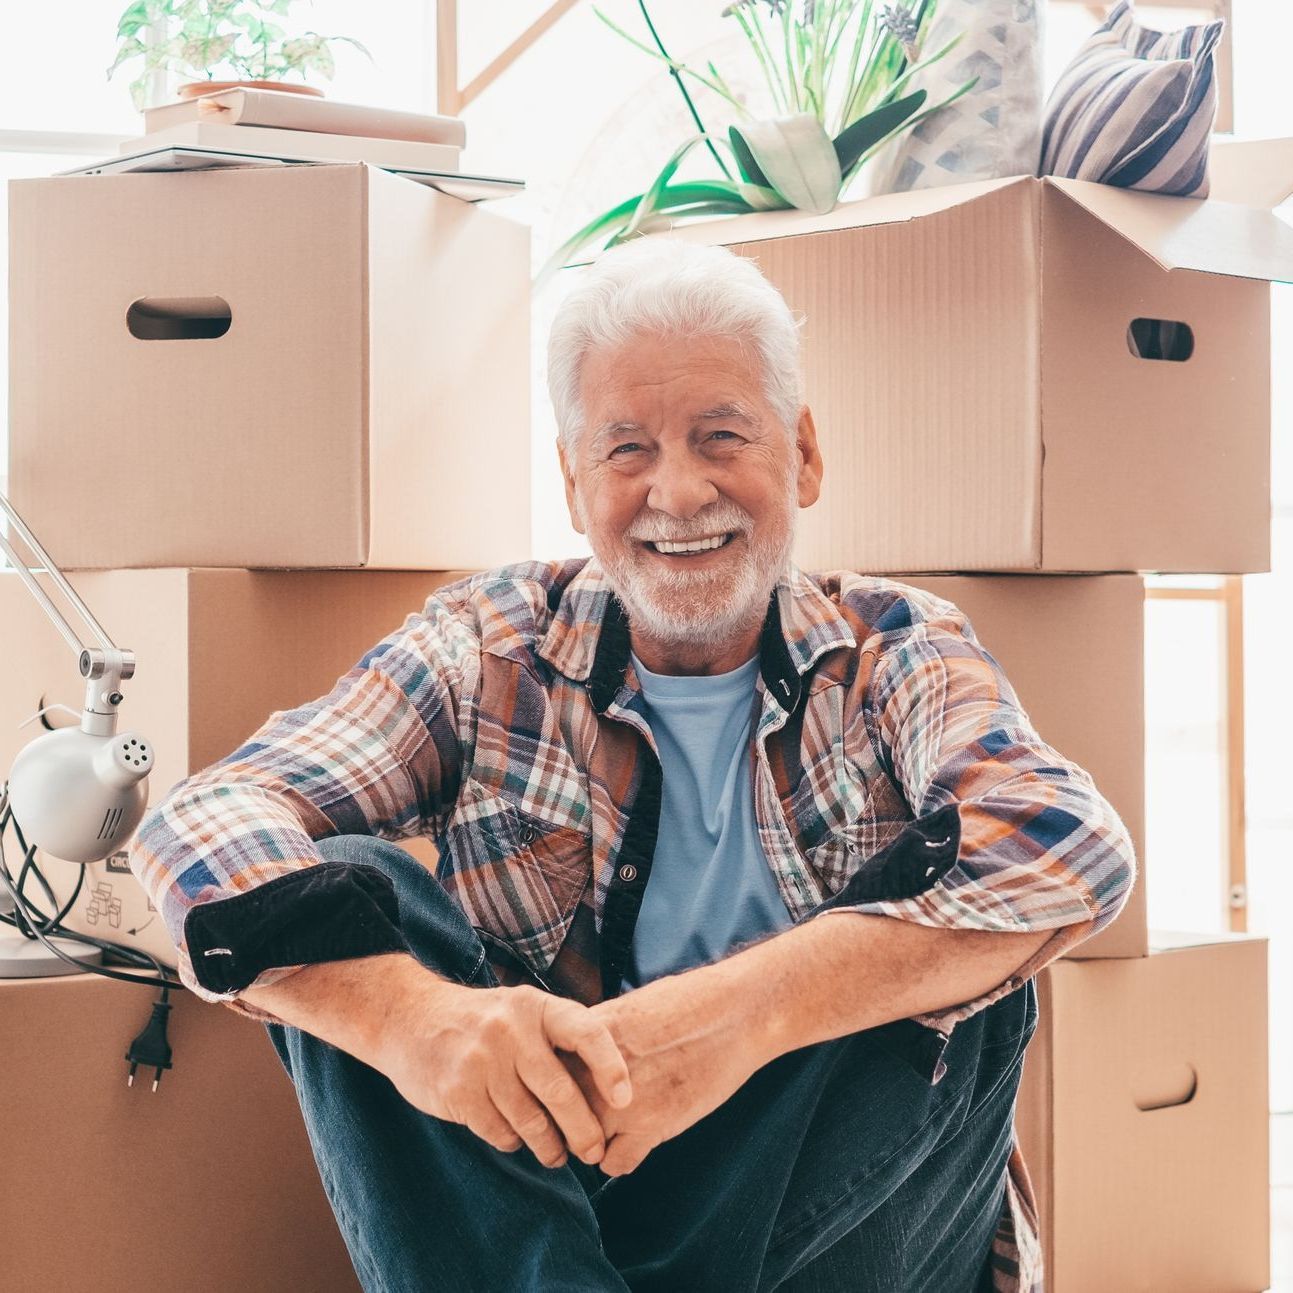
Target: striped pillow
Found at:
1135, 108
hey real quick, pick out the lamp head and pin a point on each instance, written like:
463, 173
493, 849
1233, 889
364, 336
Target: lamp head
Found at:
78, 795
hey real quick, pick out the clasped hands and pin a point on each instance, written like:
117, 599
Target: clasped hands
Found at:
607, 1083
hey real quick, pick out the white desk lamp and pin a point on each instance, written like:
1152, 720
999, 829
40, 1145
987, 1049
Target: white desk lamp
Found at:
77, 793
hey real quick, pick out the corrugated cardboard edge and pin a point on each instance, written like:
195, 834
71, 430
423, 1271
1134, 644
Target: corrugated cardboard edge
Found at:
886, 208
1039, 380
1034, 1125
363, 176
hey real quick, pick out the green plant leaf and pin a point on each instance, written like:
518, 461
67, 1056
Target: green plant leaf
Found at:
133, 19
647, 205
622, 211
745, 162
910, 124
663, 220
672, 64
869, 130
698, 197
914, 68
131, 47
798, 159
761, 197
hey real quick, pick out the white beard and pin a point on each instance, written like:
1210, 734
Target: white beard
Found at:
705, 608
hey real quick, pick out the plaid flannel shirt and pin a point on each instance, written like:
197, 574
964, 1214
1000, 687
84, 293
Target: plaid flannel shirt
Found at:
895, 774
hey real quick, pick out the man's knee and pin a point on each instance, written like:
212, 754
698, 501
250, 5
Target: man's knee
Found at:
435, 928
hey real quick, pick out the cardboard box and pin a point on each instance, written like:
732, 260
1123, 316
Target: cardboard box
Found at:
1073, 648
297, 366
206, 1186
217, 651
1143, 1117
969, 365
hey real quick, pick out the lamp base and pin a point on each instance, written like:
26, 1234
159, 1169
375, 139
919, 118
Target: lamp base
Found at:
27, 958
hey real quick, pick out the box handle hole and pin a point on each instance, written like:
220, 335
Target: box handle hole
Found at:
1166, 1090
184, 318
1166, 339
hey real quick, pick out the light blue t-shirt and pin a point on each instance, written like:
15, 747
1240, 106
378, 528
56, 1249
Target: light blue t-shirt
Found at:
710, 886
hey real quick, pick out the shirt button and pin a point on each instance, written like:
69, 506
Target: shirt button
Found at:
853, 848
628, 873
527, 834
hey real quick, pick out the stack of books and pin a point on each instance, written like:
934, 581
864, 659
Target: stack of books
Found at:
299, 127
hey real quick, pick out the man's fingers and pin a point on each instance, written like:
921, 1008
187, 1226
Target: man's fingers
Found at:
572, 1027
551, 1084
493, 1128
529, 1120
625, 1154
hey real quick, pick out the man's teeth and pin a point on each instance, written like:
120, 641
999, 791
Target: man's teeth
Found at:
696, 545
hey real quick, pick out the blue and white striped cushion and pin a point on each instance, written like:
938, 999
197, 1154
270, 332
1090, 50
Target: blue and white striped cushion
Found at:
1135, 108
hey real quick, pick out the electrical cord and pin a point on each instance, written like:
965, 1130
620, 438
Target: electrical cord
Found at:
29, 908
37, 925
150, 1048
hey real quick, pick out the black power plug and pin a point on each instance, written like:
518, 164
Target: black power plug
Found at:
150, 1048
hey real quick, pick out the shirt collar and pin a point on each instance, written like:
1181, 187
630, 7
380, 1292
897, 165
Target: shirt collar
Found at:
588, 639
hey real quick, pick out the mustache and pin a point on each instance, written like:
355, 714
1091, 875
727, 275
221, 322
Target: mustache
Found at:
718, 518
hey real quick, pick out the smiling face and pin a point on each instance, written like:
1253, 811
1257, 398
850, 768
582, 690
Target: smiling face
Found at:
686, 484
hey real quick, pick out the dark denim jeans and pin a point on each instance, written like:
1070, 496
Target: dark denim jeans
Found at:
836, 1167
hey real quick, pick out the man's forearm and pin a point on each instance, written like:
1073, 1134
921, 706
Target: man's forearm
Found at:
851, 971
347, 1003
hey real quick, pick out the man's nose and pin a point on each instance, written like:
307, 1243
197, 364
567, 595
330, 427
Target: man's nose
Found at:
680, 486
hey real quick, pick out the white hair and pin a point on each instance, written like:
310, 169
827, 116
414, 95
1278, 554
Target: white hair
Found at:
667, 286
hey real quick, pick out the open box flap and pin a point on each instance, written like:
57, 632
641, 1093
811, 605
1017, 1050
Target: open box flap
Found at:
1252, 172
887, 208
1210, 236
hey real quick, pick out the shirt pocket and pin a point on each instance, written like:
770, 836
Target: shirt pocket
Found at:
845, 850
517, 877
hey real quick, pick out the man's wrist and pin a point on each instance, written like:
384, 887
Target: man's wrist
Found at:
363, 1006
419, 1001
725, 1001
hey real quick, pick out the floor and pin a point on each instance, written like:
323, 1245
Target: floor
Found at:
1282, 1203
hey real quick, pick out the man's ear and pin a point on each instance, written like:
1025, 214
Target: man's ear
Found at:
810, 459
568, 479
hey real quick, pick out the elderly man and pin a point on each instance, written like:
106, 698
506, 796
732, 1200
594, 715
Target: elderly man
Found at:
723, 981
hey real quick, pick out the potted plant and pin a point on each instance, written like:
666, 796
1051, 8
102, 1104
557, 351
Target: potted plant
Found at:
837, 73
241, 40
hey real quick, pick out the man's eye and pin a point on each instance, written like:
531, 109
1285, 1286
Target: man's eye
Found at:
621, 449
726, 435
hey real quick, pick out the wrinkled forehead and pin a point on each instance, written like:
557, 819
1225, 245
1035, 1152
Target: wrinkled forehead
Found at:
679, 377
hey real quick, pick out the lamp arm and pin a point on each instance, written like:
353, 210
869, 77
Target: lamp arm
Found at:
104, 667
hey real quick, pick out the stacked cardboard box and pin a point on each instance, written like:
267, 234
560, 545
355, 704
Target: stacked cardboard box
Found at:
1143, 1117
274, 410
993, 394
294, 367
206, 1186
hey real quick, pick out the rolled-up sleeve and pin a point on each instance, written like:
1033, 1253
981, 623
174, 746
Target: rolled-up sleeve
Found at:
229, 857
1039, 847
